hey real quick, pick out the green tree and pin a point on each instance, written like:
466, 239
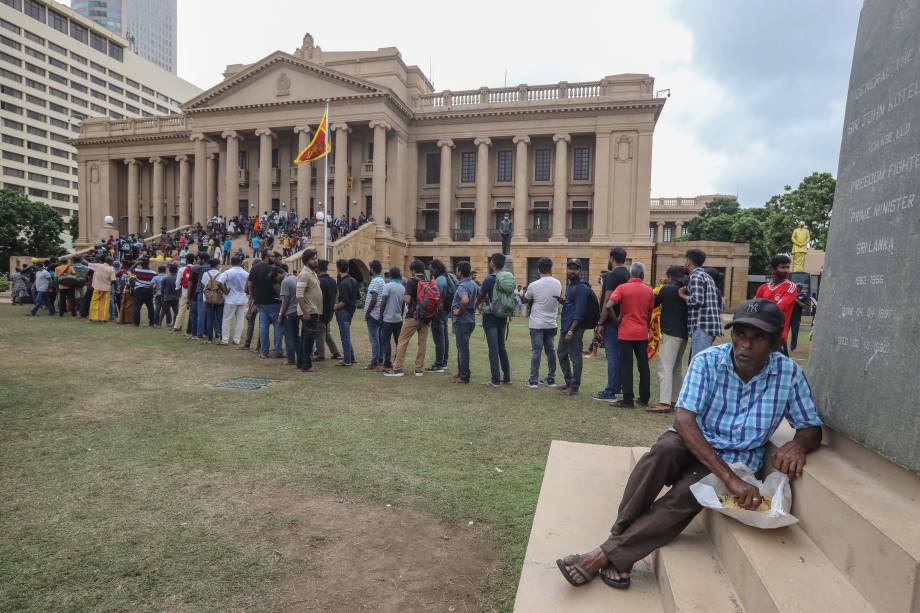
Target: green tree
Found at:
27, 228
810, 202
73, 226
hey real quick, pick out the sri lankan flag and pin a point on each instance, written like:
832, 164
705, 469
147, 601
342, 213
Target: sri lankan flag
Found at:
319, 146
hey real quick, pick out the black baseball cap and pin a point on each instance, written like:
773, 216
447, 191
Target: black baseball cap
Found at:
573, 263
759, 313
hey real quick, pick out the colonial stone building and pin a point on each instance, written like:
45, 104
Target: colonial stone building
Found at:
570, 162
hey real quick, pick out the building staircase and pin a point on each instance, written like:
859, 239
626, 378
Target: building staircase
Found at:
855, 549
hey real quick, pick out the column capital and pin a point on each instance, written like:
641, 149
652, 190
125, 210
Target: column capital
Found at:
379, 124
304, 129
517, 140
446, 142
156, 160
562, 137
483, 140
182, 158
197, 136
212, 156
131, 162
341, 126
265, 132
230, 134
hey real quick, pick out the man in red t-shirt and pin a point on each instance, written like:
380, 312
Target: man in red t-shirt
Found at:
636, 300
781, 291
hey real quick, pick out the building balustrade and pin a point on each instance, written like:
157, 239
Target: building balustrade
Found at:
461, 235
578, 236
494, 235
521, 94
538, 235
425, 236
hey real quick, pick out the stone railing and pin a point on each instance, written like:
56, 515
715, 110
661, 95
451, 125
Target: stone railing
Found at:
521, 94
538, 235
101, 128
673, 201
578, 236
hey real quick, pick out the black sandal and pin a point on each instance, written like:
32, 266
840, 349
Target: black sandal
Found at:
620, 584
588, 577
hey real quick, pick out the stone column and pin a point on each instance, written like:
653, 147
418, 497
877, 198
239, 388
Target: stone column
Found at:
396, 187
447, 191
659, 232
600, 206
340, 186
521, 184
184, 212
379, 179
560, 187
156, 196
232, 180
265, 168
678, 230
210, 189
133, 205
481, 221
201, 149
303, 173
410, 206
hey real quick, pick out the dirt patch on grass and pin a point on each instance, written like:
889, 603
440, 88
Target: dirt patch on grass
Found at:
337, 554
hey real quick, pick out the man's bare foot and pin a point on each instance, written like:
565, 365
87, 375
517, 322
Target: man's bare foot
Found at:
615, 575
591, 563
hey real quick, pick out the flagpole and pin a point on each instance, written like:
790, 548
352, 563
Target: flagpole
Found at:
326, 185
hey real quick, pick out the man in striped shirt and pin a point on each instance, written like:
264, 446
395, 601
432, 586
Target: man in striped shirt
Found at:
733, 399
143, 291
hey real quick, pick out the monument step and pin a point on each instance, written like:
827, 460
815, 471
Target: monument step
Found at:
690, 575
861, 511
581, 490
780, 571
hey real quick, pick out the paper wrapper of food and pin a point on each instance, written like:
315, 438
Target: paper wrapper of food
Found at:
775, 487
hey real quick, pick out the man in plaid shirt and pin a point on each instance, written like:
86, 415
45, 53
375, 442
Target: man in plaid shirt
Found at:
732, 401
704, 319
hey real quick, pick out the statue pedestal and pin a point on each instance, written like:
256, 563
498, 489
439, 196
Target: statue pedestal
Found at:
509, 264
106, 231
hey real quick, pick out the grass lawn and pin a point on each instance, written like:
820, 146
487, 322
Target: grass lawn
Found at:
129, 482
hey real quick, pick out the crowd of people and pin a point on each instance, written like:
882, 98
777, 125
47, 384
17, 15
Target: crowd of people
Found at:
215, 295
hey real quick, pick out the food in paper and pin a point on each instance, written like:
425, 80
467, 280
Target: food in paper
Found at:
731, 502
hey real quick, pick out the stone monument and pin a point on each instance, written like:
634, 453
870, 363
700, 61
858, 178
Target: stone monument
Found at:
865, 360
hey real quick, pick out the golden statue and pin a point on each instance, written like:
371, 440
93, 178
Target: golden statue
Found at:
800, 239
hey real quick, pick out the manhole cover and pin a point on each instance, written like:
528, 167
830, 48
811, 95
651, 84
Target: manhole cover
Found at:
246, 383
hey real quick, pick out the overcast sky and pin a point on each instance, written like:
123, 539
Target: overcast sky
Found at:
757, 88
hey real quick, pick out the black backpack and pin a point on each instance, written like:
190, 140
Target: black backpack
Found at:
447, 298
593, 312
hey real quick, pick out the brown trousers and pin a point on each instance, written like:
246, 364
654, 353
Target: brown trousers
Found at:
643, 523
410, 327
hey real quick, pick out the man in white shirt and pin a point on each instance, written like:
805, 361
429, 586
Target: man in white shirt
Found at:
236, 301
544, 297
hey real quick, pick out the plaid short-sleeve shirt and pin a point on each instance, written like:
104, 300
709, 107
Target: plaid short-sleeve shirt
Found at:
737, 418
704, 311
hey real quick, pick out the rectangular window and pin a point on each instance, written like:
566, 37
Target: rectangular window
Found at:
541, 220
98, 42
11, 108
505, 164
15, 188
541, 163
275, 158
98, 109
11, 27
9, 123
13, 157
36, 100
39, 193
116, 89
651, 232
79, 32
38, 55
58, 123
34, 9
79, 87
11, 59
35, 69
12, 140
37, 131
162, 109
9, 91
57, 63
78, 58
38, 162
116, 76
35, 38
14, 172
57, 21
244, 160
585, 270
9, 42
57, 108
97, 80
37, 116
133, 84
95, 93
59, 153
116, 52
146, 102
116, 102
57, 48
57, 78
59, 167
582, 164
59, 137
370, 151
115, 115
79, 102
467, 220
667, 234
147, 90
432, 168
78, 117
34, 176
133, 96
80, 73
61, 197
132, 109
58, 93
35, 85
468, 167
580, 220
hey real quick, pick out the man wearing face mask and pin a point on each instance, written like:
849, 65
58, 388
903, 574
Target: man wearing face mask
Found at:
781, 291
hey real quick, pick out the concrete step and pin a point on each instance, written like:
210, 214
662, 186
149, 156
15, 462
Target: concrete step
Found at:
690, 576
863, 512
780, 571
582, 486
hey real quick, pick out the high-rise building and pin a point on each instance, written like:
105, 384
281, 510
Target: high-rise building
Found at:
148, 25
58, 68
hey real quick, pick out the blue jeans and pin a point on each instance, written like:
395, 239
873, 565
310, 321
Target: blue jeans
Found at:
43, 299
542, 341
202, 317
612, 352
462, 333
268, 314
291, 341
214, 320
343, 318
498, 356
699, 341
441, 339
373, 333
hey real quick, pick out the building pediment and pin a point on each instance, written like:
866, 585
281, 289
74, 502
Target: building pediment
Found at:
280, 78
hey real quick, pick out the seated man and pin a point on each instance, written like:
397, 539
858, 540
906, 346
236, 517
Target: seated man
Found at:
734, 397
